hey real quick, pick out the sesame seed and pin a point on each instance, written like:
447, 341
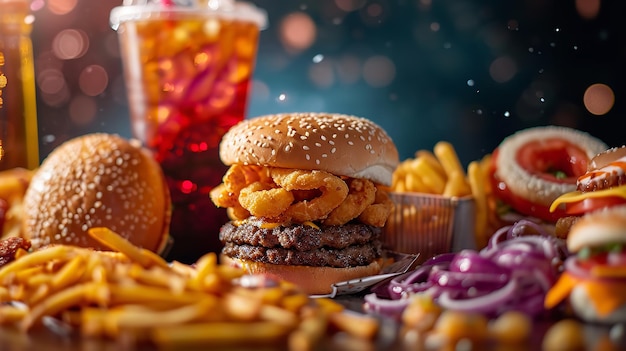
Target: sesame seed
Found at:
306, 147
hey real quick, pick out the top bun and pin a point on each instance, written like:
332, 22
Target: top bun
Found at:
97, 180
598, 228
604, 158
340, 144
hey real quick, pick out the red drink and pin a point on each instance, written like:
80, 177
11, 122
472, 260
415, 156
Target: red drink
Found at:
188, 74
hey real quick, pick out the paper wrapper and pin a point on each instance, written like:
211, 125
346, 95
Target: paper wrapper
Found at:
429, 225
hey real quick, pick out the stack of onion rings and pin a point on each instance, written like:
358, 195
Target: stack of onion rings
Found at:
299, 196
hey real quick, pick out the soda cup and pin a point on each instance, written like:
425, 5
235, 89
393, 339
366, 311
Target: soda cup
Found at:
188, 68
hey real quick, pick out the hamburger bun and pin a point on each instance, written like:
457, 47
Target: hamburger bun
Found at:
340, 144
598, 228
311, 280
97, 180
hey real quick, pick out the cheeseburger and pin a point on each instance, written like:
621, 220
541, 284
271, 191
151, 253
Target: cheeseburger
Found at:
307, 196
595, 278
603, 185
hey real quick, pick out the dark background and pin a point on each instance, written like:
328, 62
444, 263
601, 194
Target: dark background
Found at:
466, 71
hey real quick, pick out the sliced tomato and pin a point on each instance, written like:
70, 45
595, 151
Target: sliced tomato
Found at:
522, 205
592, 204
555, 160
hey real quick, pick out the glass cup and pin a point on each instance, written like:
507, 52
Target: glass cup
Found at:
188, 66
19, 144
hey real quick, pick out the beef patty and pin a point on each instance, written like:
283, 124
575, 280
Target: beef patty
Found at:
349, 245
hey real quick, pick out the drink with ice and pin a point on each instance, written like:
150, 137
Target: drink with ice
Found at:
188, 69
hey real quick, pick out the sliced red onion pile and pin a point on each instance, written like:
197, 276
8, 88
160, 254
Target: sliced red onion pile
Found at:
514, 272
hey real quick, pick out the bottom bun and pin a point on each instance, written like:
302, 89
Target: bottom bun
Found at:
584, 308
312, 280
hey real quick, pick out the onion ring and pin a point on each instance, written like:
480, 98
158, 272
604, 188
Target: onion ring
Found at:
377, 213
263, 200
362, 193
334, 192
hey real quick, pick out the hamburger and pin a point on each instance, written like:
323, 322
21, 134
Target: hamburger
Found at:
97, 180
595, 276
307, 197
602, 185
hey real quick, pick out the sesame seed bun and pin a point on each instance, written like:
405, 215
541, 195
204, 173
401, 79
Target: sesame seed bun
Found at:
97, 180
340, 144
598, 228
312, 280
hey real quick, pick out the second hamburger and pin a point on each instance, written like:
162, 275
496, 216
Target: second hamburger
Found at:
307, 196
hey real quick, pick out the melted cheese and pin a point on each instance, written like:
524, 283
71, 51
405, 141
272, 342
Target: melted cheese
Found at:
577, 196
605, 295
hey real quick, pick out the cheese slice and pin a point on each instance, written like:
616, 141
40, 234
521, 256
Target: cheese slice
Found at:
607, 271
605, 295
560, 290
577, 196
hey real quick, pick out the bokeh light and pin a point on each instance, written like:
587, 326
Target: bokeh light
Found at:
93, 80
502, 69
588, 9
321, 74
70, 44
297, 32
599, 99
61, 7
350, 5
379, 71
82, 110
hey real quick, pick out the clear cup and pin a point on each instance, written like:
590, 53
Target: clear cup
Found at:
188, 67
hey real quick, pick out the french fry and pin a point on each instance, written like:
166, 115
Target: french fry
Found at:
447, 156
414, 183
55, 303
456, 186
69, 273
356, 325
432, 161
429, 176
476, 181
309, 333
111, 239
36, 258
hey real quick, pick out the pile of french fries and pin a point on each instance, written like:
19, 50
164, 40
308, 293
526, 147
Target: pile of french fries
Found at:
440, 172
132, 294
